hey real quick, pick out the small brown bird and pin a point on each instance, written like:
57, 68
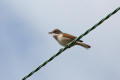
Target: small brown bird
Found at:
64, 38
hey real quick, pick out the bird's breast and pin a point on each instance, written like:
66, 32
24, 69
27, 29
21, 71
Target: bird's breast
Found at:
63, 40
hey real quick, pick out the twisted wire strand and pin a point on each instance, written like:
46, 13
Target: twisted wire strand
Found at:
71, 43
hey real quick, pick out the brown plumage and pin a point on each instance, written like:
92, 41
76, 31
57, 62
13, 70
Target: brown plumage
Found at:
64, 38
70, 36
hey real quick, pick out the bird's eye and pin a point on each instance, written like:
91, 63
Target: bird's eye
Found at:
56, 32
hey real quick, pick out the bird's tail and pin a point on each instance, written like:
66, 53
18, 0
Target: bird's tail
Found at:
83, 44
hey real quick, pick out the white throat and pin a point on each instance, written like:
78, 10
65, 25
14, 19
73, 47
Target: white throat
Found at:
53, 34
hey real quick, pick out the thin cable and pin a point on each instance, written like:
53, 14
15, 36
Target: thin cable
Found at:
71, 43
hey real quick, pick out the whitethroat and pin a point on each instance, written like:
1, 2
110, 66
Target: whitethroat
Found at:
64, 38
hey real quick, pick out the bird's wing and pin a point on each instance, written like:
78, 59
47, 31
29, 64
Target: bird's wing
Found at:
70, 36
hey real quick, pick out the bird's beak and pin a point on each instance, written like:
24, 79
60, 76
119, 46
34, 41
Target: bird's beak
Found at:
50, 32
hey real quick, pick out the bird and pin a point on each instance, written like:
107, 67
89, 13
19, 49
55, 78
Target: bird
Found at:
65, 38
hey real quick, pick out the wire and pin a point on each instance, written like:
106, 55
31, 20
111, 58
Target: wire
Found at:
71, 43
